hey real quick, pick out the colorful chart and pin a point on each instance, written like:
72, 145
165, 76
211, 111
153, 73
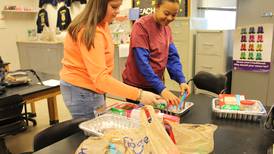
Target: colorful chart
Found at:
253, 47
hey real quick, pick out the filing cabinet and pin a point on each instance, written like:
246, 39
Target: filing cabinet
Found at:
183, 29
120, 57
213, 52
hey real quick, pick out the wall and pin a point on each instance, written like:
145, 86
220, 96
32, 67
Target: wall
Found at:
218, 3
255, 85
14, 26
193, 8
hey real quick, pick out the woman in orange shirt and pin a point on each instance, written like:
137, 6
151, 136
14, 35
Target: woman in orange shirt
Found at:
89, 60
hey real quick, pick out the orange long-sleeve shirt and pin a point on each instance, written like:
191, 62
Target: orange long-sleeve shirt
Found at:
92, 69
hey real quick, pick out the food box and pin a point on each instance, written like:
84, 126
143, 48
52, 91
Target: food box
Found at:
255, 115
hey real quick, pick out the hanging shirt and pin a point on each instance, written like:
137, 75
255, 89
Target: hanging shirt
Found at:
42, 2
52, 2
69, 2
63, 18
42, 20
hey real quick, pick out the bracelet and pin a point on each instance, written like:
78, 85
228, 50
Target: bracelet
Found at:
140, 95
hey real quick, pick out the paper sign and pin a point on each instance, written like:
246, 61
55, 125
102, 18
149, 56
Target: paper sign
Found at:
51, 83
253, 47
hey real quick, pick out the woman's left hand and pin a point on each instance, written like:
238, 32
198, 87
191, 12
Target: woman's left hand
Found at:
185, 87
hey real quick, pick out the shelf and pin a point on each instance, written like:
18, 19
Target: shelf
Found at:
18, 11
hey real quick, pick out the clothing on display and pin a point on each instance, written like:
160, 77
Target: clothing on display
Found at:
42, 20
69, 2
52, 2
63, 18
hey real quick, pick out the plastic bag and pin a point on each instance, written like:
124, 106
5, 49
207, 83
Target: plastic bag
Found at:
194, 138
149, 138
47, 35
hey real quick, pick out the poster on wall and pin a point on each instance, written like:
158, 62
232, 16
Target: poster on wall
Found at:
147, 7
252, 47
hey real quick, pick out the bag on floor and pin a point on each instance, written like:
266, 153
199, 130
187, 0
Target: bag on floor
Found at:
194, 138
149, 138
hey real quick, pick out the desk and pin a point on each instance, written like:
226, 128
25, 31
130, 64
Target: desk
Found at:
34, 92
231, 137
65, 146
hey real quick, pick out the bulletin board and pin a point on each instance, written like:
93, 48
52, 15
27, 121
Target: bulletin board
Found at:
253, 47
148, 6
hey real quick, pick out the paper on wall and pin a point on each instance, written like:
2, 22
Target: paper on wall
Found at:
123, 50
51, 83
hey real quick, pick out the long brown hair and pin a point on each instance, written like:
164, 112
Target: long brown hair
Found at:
94, 12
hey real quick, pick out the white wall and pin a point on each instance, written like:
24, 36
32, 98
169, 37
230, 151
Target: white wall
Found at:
215, 16
14, 26
218, 3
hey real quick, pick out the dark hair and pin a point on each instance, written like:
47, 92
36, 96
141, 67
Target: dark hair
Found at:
93, 13
159, 2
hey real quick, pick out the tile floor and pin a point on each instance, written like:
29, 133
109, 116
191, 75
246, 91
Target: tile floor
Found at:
22, 142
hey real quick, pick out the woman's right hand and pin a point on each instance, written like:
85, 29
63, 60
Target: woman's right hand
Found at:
149, 98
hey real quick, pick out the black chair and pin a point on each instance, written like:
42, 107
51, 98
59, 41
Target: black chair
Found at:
216, 83
56, 133
29, 116
228, 75
11, 119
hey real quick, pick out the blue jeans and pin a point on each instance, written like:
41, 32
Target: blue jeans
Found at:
81, 102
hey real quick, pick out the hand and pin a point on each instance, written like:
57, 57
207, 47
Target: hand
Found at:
149, 98
170, 97
185, 87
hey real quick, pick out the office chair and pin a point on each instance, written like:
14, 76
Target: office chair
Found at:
29, 116
11, 119
228, 75
56, 133
216, 83
23, 74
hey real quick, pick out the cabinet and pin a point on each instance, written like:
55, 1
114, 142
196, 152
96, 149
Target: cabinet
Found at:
213, 51
44, 57
182, 31
121, 52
